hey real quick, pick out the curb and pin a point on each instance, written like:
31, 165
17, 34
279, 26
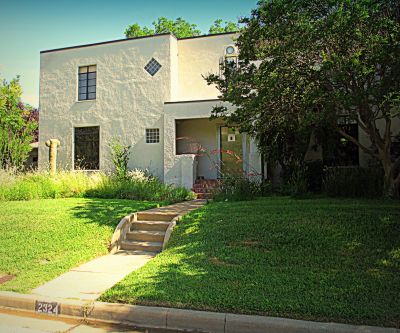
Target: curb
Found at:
179, 319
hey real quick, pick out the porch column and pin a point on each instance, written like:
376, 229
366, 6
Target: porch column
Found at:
171, 172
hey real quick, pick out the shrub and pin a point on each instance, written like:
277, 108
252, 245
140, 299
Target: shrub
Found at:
149, 189
120, 157
236, 188
40, 185
353, 182
297, 185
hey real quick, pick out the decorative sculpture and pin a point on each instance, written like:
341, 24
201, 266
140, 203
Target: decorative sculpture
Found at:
53, 144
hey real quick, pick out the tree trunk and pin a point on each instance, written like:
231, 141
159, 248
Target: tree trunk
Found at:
390, 181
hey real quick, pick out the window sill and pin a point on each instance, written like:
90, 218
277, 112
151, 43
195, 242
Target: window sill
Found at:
86, 100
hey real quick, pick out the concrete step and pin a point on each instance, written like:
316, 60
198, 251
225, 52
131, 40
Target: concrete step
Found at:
149, 216
202, 190
141, 246
204, 195
150, 225
207, 181
204, 186
147, 236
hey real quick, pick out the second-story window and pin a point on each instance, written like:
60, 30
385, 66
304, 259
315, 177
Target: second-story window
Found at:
87, 83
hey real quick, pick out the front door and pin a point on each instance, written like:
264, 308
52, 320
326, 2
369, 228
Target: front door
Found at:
231, 148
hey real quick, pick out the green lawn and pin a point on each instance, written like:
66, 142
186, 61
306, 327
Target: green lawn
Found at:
317, 259
40, 239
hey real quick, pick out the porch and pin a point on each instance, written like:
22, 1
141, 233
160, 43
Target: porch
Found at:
197, 148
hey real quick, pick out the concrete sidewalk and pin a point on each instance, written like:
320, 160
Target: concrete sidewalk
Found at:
88, 281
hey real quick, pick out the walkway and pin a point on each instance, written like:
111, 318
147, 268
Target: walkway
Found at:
90, 280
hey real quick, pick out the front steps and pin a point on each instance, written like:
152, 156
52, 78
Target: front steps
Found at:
147, 234
204, 188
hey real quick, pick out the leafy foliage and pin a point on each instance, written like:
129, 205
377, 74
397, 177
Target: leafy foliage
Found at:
303, 65
120, 157
353, 182
218, 27
65, 184
179, 27
17, 129
236, 188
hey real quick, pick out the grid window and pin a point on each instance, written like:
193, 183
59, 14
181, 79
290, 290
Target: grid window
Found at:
87, 148
152, 67
87, 83
152, 135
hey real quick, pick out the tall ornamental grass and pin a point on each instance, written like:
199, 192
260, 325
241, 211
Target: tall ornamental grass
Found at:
65, 184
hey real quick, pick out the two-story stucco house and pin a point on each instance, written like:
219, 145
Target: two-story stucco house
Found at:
151, 94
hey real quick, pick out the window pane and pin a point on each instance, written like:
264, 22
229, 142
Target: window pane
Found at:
92, 96
82, 76
82, 97
92, 89
82, 90
83, 69
92, 68
92, 82
87, 148
82, 83
91, 75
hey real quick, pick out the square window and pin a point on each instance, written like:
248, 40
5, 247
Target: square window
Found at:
87, 83
152, 135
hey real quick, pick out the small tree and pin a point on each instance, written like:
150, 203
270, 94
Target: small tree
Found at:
218, 27
120, 157
304, 65
179, 27
16, 127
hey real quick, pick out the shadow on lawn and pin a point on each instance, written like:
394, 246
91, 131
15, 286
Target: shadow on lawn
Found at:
109, 211
307, 259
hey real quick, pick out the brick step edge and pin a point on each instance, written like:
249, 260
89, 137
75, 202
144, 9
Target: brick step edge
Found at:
179, 319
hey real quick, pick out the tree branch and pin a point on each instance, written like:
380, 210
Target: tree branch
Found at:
352, 139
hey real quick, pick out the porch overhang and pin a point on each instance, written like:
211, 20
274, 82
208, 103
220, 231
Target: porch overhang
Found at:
174, 170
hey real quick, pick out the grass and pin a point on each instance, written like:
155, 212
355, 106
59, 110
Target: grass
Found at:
65, 184
40, 239
319, 259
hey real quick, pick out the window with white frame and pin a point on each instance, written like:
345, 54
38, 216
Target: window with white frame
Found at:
87, 83
152, 135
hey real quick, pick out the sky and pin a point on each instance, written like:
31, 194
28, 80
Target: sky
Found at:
30, 26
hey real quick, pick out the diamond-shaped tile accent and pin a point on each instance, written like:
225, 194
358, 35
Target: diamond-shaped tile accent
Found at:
152, 67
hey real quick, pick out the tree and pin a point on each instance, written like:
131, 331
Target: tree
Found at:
179, 27
16, 127
218, 28
308, 65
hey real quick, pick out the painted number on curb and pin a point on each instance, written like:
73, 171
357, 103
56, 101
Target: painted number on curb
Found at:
47, 307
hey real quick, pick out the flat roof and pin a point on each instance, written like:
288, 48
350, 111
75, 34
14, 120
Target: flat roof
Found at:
135, 38
194, 101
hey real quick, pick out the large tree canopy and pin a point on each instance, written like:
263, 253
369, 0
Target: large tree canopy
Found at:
18, 124
306, 66
179, 27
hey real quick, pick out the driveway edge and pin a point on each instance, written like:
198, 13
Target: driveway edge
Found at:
180, 319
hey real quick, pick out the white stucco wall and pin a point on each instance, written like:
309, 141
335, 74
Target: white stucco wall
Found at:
197, 57
128, 100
